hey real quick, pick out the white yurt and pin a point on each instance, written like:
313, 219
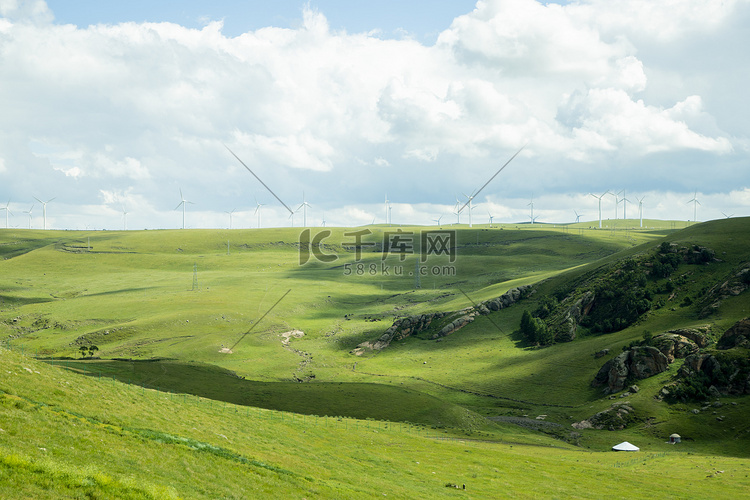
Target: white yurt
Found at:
625, 446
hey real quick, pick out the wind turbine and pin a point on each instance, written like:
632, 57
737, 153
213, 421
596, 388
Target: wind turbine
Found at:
695, 203
470, 197
640, 208
386, 208
390, 213
7, 211
491, 217
291, 216
124, 219
722, 213
476, 193
29, 212
617, 202
600, 205
182, 203
44, 209
624, 201
457, 211
259, 180
230, 216
304, 210
437, 221
578, 216
532, 210
258, 210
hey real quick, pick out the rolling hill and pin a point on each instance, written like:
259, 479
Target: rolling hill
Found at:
271, 318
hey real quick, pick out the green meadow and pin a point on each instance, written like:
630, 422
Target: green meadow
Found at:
225, 369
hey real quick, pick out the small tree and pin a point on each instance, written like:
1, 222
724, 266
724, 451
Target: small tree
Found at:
528, 330
648, 337
542, 334
92, 350
83, 350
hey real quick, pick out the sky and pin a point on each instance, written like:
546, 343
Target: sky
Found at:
117, 111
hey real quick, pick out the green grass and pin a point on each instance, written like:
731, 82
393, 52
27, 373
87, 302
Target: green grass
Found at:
80, 437
352, 400
131, 294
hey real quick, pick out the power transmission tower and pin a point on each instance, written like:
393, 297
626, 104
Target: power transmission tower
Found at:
417, 283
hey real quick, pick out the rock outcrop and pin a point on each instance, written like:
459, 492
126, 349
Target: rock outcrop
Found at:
710, 376
698, 335
507, 299
571, 313
737, 336
613, 419
400, 329
706, 375
635, 363
734, 285
454, 325
404, 327
696, 363
675, 346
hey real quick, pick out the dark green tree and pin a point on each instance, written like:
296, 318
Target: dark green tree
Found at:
648, 337
542, 334
528, 327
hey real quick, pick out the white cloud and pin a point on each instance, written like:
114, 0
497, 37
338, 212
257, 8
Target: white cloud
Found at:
595, 88
610, 120
663, 21
523, 37
26, 11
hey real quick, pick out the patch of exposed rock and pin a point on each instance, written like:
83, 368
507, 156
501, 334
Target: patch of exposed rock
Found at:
568, 325
737, 336
734, 285
720, 376
454, 325
613, 419
675, 346
505, 300
635, 363
705, 363
698, 335
646, 361
400, 329
722, 372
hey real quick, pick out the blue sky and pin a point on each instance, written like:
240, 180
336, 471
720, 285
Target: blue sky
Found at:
422, 19
348, 102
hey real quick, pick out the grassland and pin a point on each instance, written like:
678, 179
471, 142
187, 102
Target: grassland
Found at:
132, 295
78, 437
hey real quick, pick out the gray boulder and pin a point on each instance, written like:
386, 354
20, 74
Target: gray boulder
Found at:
737, 336
675, 346
637, 362
699, 336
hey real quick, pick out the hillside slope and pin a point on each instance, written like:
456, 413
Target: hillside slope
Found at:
63, 435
